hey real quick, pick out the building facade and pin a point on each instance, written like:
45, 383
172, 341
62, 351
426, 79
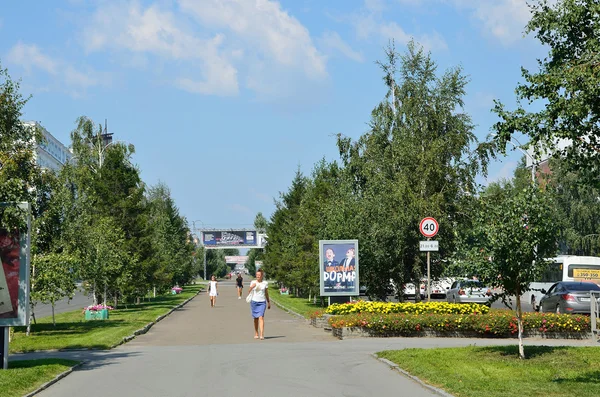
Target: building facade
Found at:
50, 153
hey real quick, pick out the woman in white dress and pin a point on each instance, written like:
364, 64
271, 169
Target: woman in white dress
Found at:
213, 290
260, 301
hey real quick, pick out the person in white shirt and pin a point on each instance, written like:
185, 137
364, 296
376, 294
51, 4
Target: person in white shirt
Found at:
213, 290
259, 289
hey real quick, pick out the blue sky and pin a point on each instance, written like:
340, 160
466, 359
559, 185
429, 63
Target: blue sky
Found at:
225, 99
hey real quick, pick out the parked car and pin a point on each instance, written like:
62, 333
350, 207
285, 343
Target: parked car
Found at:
568, 297
439, 288
469, 291
409, 290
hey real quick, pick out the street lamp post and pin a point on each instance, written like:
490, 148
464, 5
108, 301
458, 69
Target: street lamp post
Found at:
201, 242
519, 148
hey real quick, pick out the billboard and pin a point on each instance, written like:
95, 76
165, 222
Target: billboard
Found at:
339, 267
229, 238
14, 273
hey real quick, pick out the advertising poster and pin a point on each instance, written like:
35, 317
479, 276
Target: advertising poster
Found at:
14, 278
226, 239
339, 267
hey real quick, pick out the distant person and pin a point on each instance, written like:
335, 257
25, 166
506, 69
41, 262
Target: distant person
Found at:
240, 285
259, 289
213, 290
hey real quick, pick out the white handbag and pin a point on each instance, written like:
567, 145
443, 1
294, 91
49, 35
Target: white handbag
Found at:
249, 297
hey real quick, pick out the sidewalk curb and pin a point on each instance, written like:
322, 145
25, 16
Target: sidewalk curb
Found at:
287, 309
53, 381
395, 367
146, 328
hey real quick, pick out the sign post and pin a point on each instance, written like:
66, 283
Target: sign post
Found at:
428, 227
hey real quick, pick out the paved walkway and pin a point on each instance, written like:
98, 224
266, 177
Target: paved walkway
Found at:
200, 350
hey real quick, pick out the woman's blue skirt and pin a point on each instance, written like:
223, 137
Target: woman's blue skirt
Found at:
258, 309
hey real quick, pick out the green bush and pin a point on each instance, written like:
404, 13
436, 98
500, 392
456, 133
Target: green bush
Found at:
496, 322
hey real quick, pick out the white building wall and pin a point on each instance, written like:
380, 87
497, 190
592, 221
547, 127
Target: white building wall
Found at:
50, 153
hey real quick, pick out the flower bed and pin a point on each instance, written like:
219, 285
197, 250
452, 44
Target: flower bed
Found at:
408, 308
96, 312
500, 323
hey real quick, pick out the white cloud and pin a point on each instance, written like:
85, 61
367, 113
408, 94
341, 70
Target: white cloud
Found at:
211, 45
371, 23
29, 56
504, 173
503, 19
241, 208
263, 26
155, 31
64, 75
333, 41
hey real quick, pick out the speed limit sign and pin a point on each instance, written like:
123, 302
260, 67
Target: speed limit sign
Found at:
429, 227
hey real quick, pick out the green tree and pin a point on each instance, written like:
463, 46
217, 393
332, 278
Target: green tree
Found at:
566, 87
511, 237
415, 161
55, 276
18, 171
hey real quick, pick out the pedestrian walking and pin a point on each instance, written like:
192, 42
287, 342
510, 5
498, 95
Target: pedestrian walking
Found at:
259, 289
240, 285
213, 290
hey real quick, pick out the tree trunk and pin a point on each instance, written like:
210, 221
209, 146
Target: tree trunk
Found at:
116, 297
154, 295
520, 325
53, 319
95, 299
104, 298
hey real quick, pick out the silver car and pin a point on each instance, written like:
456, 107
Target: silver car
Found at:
568, 297
469, 291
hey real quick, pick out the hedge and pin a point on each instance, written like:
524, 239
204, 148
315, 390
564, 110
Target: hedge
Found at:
494, 323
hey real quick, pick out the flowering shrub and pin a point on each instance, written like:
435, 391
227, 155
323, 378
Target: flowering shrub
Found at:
494, 323
95, 308
316, 314
413, 308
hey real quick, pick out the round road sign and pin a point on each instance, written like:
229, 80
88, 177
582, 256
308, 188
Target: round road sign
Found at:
429, 227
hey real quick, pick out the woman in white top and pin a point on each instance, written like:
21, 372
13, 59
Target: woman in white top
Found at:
213, 290
259, 289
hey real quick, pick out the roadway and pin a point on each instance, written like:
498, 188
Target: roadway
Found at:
79, 301
199, 350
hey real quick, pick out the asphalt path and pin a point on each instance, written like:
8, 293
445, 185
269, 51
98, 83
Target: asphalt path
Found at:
79, 301
199, 350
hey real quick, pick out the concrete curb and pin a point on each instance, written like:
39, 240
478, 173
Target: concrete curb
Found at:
395, 367
145, 329
287, 309
53, 381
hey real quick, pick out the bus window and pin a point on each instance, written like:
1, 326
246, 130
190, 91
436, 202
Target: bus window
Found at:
553, 273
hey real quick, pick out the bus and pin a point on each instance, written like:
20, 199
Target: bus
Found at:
563, 268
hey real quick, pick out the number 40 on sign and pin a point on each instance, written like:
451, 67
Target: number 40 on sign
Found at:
429, 227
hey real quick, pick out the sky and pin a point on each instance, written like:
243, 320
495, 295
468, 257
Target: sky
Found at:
224, 100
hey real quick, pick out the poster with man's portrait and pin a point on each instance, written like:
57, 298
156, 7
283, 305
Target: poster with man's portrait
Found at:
14, 277
339, 267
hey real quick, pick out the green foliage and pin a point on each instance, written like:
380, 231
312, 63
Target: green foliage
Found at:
567, 86
54, 277
25, 376
502, 323
492, 371
513, 234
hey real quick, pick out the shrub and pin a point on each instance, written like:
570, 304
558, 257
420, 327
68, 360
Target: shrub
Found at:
495, 323
412, 308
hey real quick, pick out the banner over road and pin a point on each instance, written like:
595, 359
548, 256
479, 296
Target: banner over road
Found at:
229, 238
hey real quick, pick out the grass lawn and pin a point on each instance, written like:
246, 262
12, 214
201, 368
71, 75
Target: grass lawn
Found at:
299, 305
73, 332
25, 376
497, 371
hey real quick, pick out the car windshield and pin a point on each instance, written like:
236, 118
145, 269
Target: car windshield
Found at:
582, 287
472, 284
